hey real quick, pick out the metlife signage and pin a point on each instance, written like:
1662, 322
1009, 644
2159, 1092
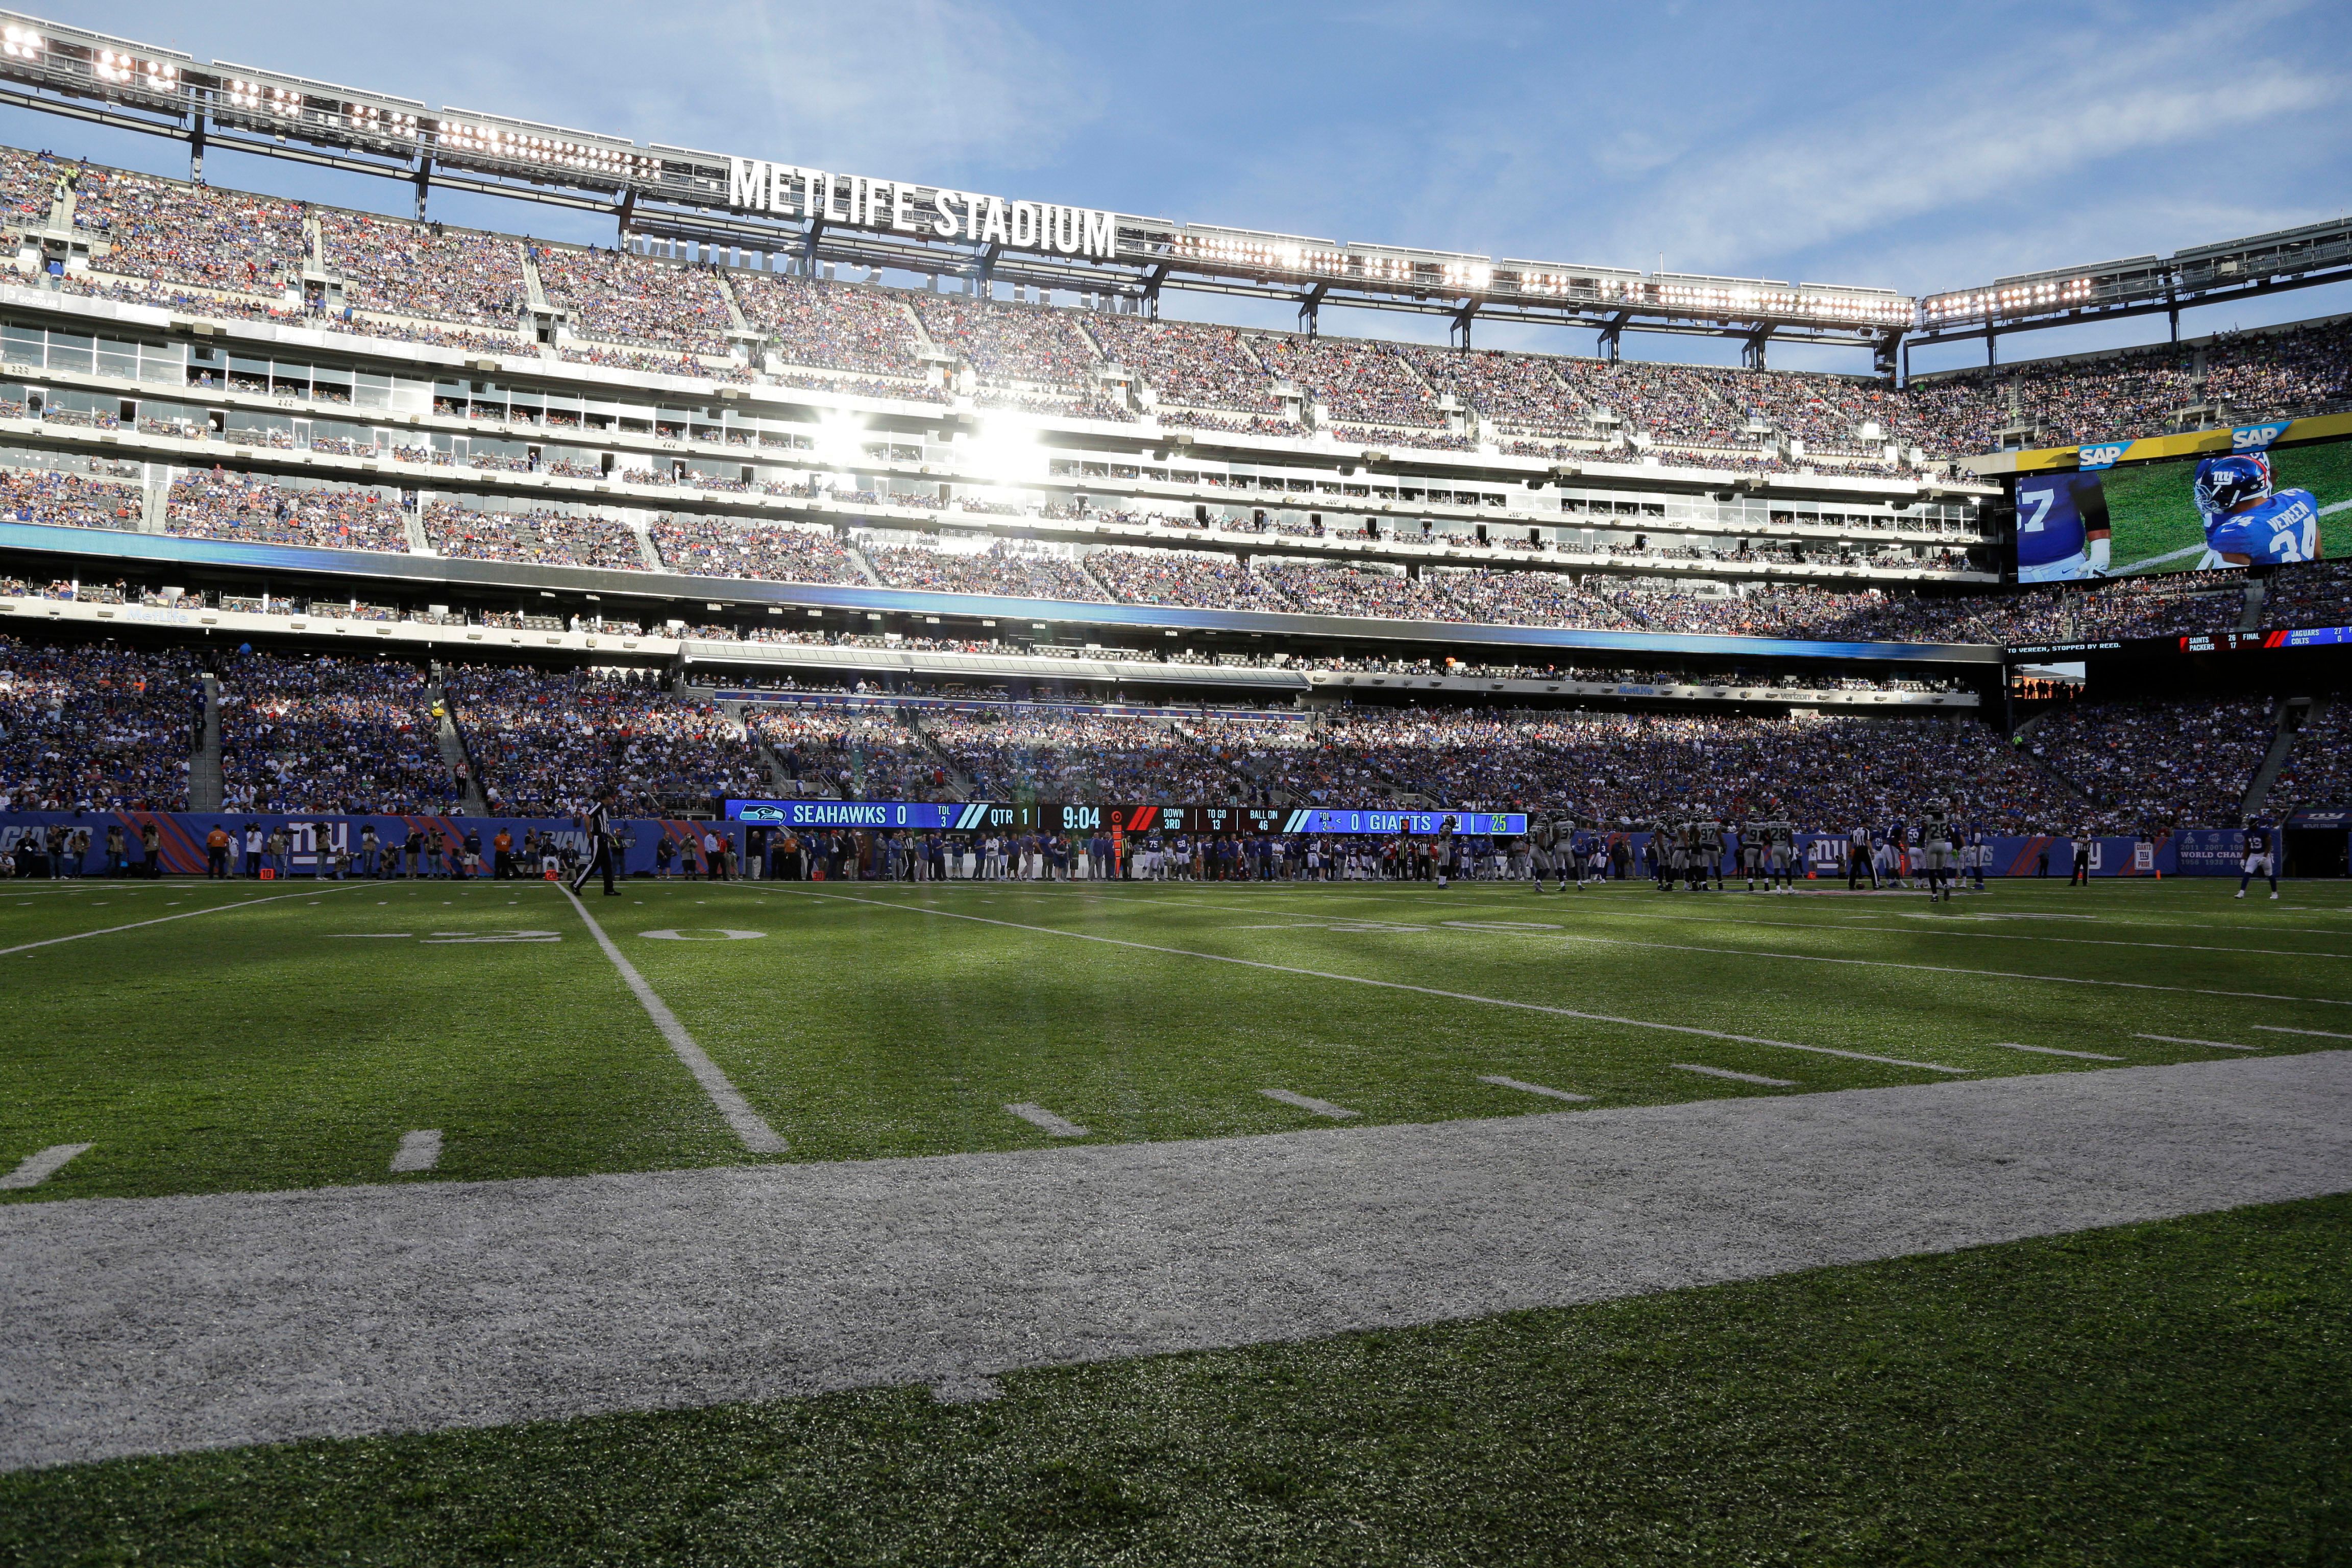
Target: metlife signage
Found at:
754, 186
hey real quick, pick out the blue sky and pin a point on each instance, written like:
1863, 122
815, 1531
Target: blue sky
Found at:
1911, 147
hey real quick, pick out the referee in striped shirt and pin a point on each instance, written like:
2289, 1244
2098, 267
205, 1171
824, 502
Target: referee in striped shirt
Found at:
602, 848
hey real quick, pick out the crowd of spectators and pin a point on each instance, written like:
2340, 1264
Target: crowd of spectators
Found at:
1206, 582
712, 547
617, 297
854, 753
2315, 593
1001, 568
836, 326
1521, 393
1357, 381
61, 500
545, 742
1191, 364
2303, 370
174, 233
399, 268
94, 726
542, 537
1011, 343
2318, 770
458, 288
1044, 754
1825, 774
2157, 766
256, 511
329, 736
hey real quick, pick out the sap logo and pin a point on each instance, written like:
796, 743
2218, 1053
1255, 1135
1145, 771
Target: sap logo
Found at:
2104, 456
2256, 437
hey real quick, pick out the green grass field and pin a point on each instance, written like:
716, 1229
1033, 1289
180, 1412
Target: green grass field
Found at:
2170, 1392
291, 1044
2155, 514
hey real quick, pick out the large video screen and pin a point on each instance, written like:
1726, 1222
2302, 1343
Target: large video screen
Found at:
2243, 509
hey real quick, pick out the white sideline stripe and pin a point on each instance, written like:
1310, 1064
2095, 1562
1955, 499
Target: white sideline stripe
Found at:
159, 920
35, 1169
749, 1124
1502, 1082
2179, 1040
419, 1151
1308, 1103
2053, 1051
1739, 1077
1948, 969
1404, 986
2316, 1033
1037, 1116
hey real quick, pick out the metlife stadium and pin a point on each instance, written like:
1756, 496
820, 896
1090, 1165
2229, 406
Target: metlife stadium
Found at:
1140, 851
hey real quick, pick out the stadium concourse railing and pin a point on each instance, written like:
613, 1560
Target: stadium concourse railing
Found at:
317, 840
108, 552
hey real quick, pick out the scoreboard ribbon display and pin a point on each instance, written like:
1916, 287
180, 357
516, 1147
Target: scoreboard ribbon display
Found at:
978, 816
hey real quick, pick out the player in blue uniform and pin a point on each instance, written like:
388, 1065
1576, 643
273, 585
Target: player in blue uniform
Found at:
2062, 528
2246, 522
2260, 858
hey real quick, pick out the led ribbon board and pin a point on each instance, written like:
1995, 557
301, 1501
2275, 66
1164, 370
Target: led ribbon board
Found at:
975, 817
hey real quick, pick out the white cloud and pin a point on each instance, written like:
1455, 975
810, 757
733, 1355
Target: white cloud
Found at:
2022, 131
917, 88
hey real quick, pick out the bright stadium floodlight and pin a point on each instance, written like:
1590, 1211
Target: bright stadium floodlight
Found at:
21, 43
1007, 453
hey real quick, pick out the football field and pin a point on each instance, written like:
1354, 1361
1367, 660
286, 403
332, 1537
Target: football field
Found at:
319, 1091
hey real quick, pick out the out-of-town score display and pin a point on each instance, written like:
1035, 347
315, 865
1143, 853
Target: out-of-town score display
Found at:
977, 817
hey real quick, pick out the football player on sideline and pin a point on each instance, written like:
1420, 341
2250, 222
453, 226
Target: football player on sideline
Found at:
2261, 861
2246, 524
1936, 841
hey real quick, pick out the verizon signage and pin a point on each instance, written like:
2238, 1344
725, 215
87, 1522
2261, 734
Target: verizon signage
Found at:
786, 189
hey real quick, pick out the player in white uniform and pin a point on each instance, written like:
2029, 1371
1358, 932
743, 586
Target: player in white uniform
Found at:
1936, 846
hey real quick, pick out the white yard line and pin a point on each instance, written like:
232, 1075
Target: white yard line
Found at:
749, 1124
419, 1151
1052, 1126
2178, 1040
1308, 1103
1400, 985
2053, 1051
1739, 1077
35, 1169
1948, 969
159, 920
2316, 1033
1501, 1082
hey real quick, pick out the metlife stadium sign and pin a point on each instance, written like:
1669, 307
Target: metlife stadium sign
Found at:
787, 190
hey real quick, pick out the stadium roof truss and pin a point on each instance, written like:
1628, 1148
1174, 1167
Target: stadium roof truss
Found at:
679, 194
2301, 258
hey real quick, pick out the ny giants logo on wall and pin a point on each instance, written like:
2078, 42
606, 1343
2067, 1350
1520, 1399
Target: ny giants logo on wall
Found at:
790, 191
